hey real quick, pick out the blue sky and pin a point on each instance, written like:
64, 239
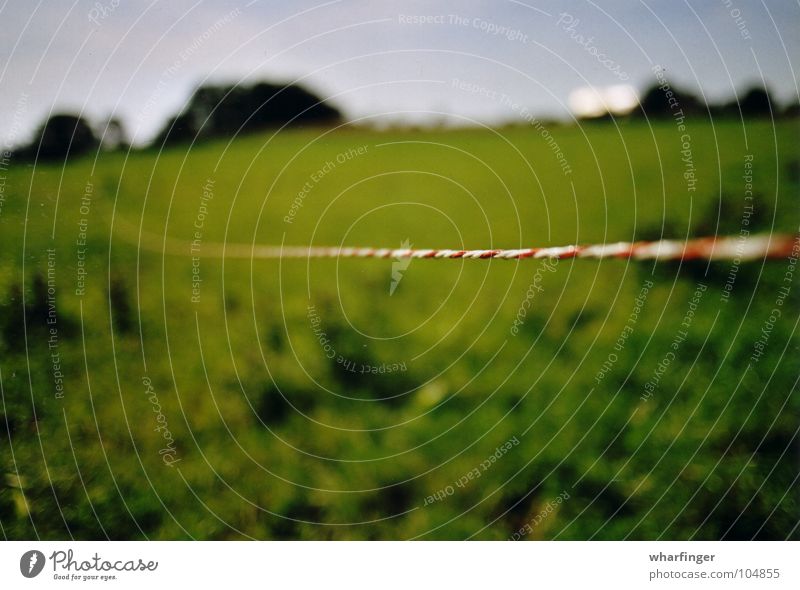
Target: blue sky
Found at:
412, 60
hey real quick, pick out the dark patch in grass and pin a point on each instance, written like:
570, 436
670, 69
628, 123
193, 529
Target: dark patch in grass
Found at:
275, 407
287, 528
390, 499
121, 311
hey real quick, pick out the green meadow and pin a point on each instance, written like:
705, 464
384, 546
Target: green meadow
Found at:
159, 382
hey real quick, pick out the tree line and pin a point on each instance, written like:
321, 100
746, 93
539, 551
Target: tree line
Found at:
217, 111
213, 111
754, 102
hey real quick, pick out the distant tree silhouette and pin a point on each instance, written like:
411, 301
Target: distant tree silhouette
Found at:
222, 111
792, 110
756, 102
60, 136
655, 102
724, 109
180, 128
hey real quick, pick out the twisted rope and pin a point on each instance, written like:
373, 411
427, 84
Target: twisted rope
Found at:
725, 248
742, 247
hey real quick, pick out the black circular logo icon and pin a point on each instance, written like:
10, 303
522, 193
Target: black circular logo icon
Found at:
31, 563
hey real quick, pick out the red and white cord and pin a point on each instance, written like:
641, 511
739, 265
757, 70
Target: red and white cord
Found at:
720, 248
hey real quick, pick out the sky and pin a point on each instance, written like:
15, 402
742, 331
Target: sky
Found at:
389, 60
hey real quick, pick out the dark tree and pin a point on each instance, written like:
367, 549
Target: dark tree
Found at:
756, 102
62, 135
224, 111
178, 129
657, 103
724, 110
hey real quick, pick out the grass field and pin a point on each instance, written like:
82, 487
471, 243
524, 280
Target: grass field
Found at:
620, 409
